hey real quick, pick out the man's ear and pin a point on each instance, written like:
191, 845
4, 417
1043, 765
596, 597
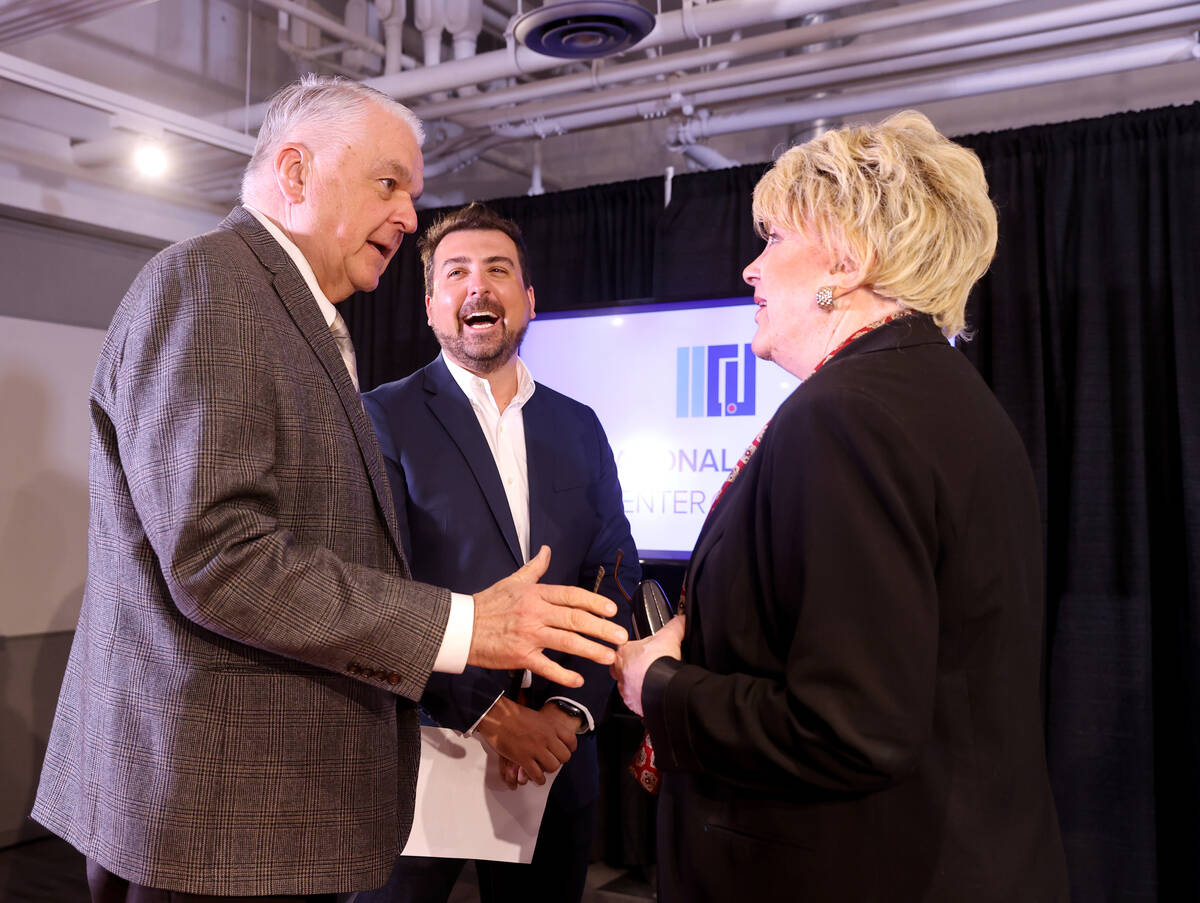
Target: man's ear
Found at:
291, 167
532, 302
428, 315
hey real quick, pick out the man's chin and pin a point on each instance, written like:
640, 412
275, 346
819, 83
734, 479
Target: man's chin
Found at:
368, 283
478, 360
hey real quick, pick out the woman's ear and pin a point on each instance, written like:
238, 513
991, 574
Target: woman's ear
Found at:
849, 270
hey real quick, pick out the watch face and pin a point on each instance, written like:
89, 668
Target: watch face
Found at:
576, 711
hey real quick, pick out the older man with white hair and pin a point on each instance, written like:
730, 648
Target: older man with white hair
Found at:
238, 719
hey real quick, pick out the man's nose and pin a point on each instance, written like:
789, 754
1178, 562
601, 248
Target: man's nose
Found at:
476, 284
404, 214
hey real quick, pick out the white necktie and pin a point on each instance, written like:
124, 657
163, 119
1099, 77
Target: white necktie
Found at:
341, 335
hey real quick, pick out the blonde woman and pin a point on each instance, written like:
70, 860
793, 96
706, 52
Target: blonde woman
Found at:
850, 708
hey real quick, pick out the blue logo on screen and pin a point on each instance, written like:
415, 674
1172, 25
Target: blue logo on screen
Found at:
713, 381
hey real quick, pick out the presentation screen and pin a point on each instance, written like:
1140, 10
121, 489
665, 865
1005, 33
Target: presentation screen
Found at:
679, 393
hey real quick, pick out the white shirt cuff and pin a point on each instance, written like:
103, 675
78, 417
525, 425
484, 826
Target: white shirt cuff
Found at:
591, 725
456, 644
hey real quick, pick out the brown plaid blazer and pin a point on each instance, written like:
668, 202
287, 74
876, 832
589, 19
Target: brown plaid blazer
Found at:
236, 715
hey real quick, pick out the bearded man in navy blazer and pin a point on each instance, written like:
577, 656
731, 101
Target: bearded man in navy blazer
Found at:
484, 465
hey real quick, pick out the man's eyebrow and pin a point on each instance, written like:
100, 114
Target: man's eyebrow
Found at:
499, 258
397, 169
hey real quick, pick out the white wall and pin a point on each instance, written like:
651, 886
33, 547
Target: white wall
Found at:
45, 372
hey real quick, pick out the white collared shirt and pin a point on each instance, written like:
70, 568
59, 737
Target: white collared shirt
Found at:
456, 643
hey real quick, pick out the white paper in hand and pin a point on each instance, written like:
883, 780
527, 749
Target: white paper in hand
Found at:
464, 810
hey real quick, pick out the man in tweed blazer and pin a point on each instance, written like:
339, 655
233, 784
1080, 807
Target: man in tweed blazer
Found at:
237, 717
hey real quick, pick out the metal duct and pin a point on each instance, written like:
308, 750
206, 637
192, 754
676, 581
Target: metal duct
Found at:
25, 19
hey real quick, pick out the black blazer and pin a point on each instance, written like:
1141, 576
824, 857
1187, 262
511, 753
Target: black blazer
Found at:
859, 713
458, 531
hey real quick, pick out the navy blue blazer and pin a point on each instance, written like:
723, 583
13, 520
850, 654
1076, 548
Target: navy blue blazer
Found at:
458, 531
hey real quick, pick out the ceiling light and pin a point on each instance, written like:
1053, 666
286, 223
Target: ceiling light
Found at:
150, 160
583, 29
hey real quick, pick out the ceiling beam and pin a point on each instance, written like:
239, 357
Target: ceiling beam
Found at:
51, 81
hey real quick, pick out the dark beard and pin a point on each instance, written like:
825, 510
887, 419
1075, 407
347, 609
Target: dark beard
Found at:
481, 361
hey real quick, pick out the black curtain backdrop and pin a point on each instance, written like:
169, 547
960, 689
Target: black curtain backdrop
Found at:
1087, 328
590, 247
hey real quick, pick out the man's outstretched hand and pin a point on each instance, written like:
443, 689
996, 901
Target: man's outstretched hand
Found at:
517, 618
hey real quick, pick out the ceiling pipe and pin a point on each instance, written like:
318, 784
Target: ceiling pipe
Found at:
704, 156
942, 86
1077, 35
494, 159
659, 64
464, 21
320, 58
947, 87
715, 17
328, 25
429, 18
820, 126
857, 61
495, 21
391, 15
357, 19
22, 21
459, 159
536, 187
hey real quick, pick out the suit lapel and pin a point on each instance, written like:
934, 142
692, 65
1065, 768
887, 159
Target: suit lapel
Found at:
540, 462
302, 308
453, 411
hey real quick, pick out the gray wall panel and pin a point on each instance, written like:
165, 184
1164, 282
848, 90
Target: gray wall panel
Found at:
65, 275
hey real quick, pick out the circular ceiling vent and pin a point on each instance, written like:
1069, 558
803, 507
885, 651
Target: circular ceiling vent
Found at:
583, 29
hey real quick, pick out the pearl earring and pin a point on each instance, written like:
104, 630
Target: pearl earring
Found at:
825, 298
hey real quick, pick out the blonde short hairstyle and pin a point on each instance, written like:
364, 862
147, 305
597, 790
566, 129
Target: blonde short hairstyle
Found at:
899, 198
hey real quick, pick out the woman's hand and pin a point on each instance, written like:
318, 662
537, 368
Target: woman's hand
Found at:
634, 658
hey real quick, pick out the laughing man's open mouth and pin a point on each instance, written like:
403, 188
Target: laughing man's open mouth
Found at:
481, 318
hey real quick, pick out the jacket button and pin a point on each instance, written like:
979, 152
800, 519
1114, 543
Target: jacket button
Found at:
393, 678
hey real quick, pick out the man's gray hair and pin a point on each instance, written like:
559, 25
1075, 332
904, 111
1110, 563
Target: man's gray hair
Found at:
332, 103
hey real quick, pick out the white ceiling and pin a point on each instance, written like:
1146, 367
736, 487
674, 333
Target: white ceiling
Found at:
82, 82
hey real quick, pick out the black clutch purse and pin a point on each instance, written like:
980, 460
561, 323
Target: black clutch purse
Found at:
651, 609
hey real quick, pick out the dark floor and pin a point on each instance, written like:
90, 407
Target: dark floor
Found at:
51, 871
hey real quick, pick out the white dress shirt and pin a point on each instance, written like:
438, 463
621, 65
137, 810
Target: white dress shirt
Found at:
456, 643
